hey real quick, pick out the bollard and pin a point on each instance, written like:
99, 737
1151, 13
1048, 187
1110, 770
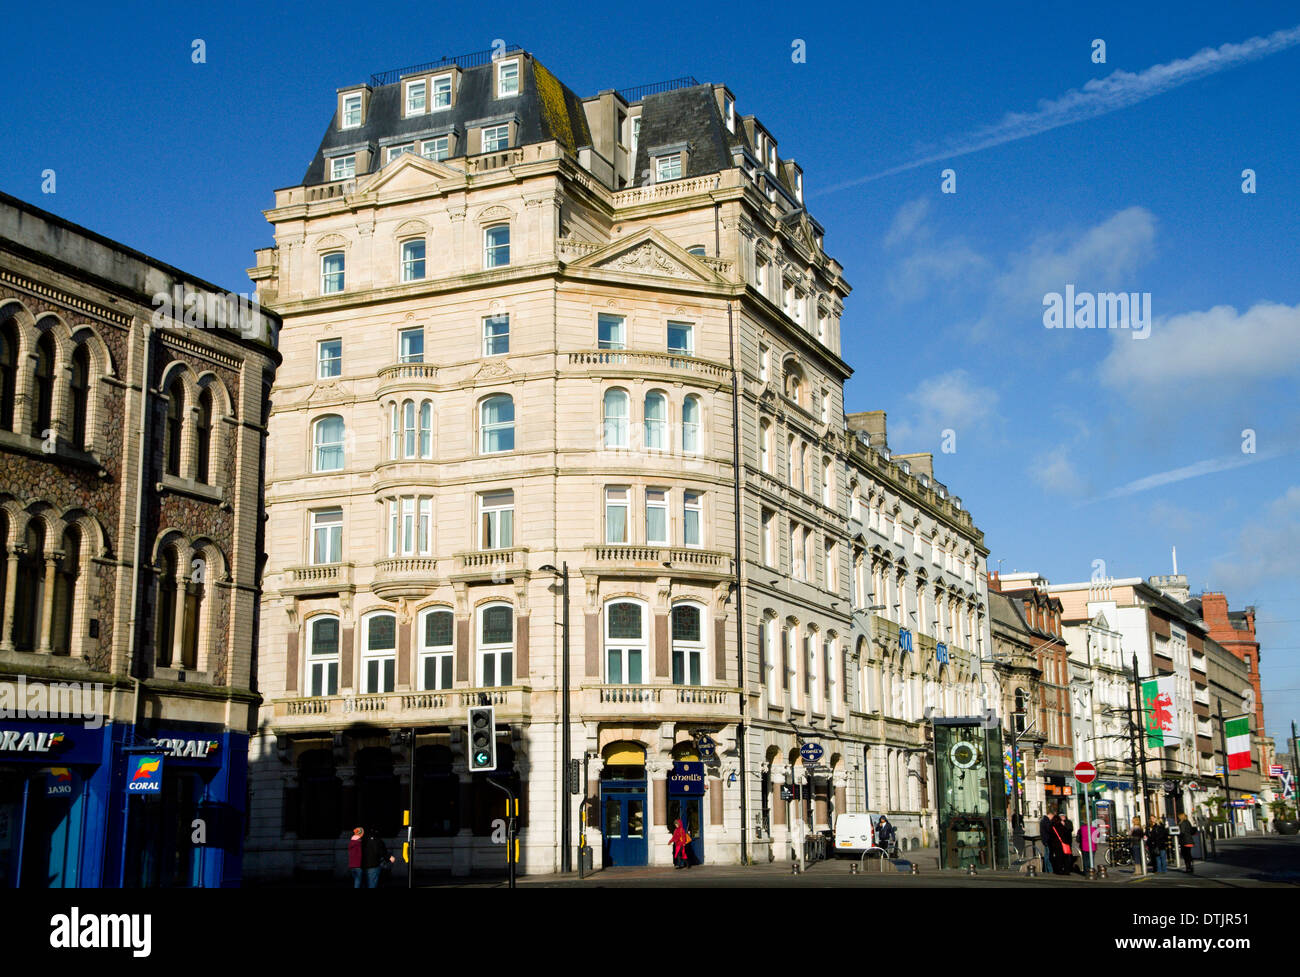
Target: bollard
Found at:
970, 869
853, 868
915, 869
1031, 870
1103, 873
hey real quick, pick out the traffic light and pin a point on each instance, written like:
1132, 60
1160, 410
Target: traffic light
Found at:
482, 739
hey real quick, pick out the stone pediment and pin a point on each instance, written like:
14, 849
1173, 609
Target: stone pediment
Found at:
649, 253
409, 172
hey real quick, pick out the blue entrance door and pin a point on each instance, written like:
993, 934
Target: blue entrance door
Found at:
688, 810
623, 823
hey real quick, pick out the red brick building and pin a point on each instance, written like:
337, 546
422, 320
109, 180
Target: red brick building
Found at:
1235, 630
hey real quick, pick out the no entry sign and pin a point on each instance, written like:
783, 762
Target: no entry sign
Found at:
1085, 772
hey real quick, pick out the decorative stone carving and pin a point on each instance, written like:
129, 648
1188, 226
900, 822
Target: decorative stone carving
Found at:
647, 259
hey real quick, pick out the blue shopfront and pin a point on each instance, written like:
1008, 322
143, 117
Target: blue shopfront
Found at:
55, 803
189, 833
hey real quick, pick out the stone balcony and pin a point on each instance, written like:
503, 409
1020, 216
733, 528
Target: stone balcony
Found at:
661, 703
410, 576
444, 707
405, 376
323, 578
495, 566
618, 559
633, 363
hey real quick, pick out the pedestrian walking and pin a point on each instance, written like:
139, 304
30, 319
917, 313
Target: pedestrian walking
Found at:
374, 857
1136, 834
1157, 845
1071, 852
355, 844
1044, 836
1088, 846
1059, 841
1186, 839
885, 835
680, 839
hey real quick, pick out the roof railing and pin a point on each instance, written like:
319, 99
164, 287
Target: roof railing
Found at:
474, 59
631, 95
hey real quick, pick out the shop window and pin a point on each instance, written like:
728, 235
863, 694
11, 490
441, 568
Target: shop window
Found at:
319, 794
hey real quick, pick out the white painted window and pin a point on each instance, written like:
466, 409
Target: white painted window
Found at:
327, 438
343, 167
436, 629
668, 167
765, 446
616, 513
656, 420
626, 644
329, 358
496, 645
497, 424
410, 345
656, 516
769, 537
691, 424
496, 138
496, 335
681, 338
496, 515
437, 148
396, 151
615, 409
331, 273
692, 519
412, 260
326, 536
351, 111
688, 644
378, 652
323, 655
415, 97
611, 331
507, 78
496, 246
441, 92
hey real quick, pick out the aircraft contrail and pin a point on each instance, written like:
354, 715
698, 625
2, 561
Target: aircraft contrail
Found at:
1207, 467
1101, 96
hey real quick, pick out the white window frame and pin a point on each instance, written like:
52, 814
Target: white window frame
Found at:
692, 511
318, 445
689, 328
392, 152
615, 424
409, 263
617, 323
330, 523
765, 446
380, 657
655, 432
613, 501
412, 87
764, 363
657, 501
498, 136
443, 655
688, 650
497, 651
492, 248
403, 356
496, 519
441, 151
323, 662
343, 167
503, 90
691, 429
625, 646
668, 167
491, 340
327, 275
333, 363
768, 525
436, 92
486, 429
351, 103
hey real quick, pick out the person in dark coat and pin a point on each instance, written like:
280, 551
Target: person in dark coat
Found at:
1186, 839
1044, 836
1158, 845
1071, 860
374, 854
1059, 841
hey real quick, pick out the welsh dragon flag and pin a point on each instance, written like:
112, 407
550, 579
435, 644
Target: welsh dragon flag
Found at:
1159, 717
1237, 733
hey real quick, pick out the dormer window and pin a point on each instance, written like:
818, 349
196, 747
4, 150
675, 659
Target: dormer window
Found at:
668, 167
343, 167
730, 105
352, 111
437, 148
441, 93
771, 158
507, 78
496, 138
396, 151
416, 92
798, 187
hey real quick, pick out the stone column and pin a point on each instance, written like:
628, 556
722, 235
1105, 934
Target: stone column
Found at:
178, 620
657, 774
11, 592
780, 830
715, 801
46, 645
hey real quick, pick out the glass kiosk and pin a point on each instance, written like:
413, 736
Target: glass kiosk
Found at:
968, 771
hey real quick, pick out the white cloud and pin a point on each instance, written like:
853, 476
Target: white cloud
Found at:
1098, 97
1265, 550
1218, 345
909, 222
947, 401
1055, 472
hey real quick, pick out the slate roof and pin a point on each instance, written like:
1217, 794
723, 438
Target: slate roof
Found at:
544, 108
688, 115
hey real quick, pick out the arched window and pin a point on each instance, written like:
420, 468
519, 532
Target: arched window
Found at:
328, 440
426, 429
44, 385
688, 644
408, 428
828, 483
691, 424
437, 648
625, 642
656, 420
615, 408
29, 600
378, 652
1022, 707
791, 458
765, 446
323, 655
497, 424
172, 430
165, 609
4, 562
80, 395
65, 592
203, 438
195, 590
8, 373
496, 645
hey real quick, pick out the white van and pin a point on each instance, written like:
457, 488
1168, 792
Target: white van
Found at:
854, 833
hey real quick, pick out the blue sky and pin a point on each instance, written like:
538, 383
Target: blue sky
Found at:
1055, 429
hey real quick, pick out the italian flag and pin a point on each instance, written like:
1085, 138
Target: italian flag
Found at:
1237, 733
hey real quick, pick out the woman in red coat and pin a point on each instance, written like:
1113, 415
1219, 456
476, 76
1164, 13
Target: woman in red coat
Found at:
681, 838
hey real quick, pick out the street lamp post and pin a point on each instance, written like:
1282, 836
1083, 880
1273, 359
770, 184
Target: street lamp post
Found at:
566, 827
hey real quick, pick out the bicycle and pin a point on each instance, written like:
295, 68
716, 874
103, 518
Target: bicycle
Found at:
1117, 855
